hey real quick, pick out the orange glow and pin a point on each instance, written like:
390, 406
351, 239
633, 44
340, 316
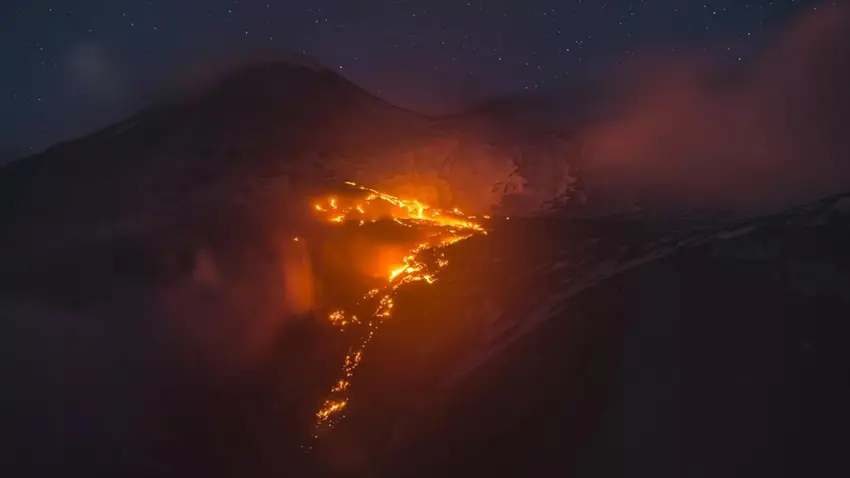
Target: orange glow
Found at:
419, 263
377, 205
299, 284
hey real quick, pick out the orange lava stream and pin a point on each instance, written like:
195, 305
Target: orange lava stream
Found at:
420, 264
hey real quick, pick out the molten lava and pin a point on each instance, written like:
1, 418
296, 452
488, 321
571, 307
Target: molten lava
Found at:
420, 263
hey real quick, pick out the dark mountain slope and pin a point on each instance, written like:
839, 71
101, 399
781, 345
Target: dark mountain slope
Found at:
616, 352
220, 170
267, 115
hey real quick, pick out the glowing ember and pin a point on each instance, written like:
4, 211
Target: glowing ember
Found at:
331, 407
339, 318
419, 264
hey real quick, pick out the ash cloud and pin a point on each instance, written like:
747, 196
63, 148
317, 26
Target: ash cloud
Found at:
757, 137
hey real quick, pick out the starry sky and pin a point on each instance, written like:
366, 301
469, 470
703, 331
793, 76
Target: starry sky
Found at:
73, 66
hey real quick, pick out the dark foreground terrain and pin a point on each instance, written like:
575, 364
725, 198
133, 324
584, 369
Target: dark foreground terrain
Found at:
722, 359
551, 346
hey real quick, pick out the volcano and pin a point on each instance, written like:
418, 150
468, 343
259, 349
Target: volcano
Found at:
290, 119
285, 275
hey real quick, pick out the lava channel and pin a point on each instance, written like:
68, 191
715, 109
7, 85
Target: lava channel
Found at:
420, 263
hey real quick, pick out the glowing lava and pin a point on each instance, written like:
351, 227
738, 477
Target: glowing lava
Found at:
420, 264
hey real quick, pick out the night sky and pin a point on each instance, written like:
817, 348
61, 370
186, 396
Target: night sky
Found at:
71, 67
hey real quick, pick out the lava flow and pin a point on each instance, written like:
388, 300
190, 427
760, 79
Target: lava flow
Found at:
420, 264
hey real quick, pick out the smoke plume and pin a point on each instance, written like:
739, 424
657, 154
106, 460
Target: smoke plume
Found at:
758, 136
